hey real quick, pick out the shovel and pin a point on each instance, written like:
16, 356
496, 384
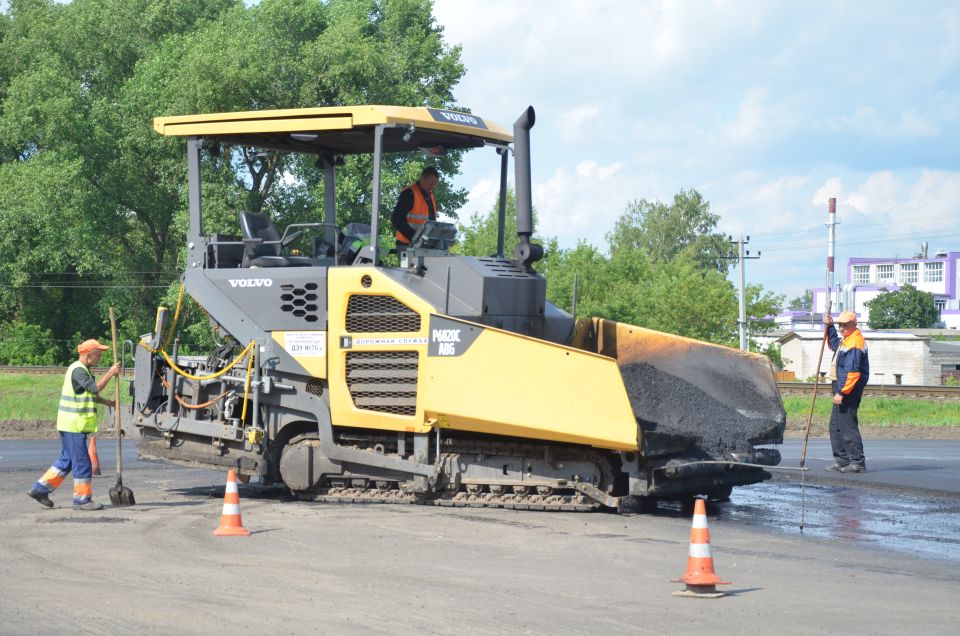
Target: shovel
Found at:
120, 495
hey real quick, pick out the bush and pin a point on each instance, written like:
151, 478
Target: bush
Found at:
25, 344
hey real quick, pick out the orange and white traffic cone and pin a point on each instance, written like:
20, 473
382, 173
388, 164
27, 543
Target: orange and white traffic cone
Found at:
700, 577
94, 459
231, 525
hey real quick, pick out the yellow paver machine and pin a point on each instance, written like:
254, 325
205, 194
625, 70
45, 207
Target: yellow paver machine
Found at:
448, 379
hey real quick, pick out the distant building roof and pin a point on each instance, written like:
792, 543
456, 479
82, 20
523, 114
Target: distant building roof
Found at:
941, 346
868, 335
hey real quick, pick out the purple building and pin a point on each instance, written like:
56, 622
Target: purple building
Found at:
866, 277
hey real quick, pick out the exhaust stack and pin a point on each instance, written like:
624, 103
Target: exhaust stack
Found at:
527, 253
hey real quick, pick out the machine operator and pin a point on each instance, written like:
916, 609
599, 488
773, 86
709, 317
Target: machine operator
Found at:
415, 206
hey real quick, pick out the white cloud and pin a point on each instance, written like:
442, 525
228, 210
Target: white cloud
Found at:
877, 195
766, 108
577, 122
590, 169
582, 203
832, 188
751, 117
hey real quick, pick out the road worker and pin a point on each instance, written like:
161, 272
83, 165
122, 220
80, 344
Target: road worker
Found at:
77, 418
849, 372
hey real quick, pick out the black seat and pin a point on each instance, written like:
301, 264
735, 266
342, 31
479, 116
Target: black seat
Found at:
268, 252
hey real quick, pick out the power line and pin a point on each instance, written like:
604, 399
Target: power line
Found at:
819, 245
57, 286
858, 225
101, 273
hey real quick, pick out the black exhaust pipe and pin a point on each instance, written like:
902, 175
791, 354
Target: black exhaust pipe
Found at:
527, 253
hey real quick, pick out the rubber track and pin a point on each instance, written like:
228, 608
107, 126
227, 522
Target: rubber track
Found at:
557, 503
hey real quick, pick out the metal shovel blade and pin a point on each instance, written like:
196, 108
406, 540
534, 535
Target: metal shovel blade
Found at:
120, 495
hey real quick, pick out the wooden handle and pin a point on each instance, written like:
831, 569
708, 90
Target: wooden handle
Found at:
116, 404
816, 383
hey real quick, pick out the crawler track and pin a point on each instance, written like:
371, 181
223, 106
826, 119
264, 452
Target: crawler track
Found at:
556, 494
509, 501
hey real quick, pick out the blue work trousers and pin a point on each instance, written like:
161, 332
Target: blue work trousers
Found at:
73, 457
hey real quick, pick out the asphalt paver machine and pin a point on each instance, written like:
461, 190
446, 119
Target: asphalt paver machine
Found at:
449, 379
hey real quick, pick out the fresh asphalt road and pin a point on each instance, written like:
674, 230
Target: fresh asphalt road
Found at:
912, 464
156, 568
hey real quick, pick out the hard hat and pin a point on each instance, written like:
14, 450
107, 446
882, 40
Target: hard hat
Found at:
847, 316
89, 345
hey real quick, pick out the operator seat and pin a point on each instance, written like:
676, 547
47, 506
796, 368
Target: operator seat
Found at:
268, 253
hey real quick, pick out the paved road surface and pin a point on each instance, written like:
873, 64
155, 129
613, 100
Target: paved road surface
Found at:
314, 568
924, 464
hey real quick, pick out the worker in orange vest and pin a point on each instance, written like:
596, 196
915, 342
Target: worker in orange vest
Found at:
415, 206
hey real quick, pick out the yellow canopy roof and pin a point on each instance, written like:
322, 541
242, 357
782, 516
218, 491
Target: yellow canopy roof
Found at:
339, 129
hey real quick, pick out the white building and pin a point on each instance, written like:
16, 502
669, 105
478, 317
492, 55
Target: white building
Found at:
916, 359
868, 276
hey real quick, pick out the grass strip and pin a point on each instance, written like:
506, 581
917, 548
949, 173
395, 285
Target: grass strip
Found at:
880, 411
35, 397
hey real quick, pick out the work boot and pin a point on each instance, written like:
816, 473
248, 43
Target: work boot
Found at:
854, 468
837, 468
90, 505
42, 497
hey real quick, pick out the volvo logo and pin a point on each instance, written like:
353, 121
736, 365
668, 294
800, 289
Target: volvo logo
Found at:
450, 117
460, 119
250, 282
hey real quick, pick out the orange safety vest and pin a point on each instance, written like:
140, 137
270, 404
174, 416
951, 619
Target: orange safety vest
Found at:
419, 213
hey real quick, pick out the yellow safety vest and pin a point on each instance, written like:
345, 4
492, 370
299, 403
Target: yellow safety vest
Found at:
77, 412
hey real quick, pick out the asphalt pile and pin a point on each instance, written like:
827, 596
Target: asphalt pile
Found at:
672, 411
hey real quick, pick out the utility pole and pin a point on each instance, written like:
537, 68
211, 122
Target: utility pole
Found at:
742, 257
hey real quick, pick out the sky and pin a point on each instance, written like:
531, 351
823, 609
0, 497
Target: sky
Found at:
766, 108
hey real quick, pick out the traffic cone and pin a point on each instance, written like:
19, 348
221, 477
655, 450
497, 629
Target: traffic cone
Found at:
700, 578
92, 451
231, 525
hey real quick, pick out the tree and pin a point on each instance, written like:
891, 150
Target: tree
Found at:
762, 308
674, 293
663, 232
26, 344
478, 236
93, 201
908, 308
803, 302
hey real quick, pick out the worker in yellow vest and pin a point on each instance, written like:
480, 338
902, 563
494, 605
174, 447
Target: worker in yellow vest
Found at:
76, 418
415, 206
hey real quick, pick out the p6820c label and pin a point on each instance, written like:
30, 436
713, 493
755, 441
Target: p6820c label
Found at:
450, 338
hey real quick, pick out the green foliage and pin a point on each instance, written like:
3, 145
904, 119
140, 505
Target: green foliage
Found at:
802, 303
27, 344
664, 232
638, 283
908, 308
772, 351
93, 201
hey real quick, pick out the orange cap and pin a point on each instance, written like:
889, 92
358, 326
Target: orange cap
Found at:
847, 316
90, 345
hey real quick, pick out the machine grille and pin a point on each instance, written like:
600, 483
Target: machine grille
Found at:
384, 381
369, 314
503, 268
300, 301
